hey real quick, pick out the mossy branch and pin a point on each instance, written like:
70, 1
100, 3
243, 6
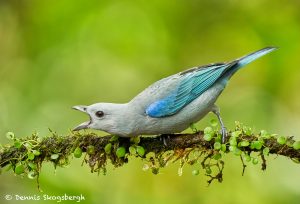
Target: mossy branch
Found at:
202, 149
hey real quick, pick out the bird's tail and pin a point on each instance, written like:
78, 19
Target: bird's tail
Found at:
241, 62
253, 56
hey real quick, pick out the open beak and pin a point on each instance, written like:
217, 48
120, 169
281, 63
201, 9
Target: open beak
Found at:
80, 108
83, 125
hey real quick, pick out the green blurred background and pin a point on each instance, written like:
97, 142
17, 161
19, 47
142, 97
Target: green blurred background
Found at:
58, 53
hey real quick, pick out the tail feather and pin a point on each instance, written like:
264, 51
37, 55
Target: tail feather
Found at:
241, 62
255, 55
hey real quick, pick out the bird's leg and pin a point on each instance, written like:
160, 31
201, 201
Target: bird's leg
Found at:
216, 111
164, 139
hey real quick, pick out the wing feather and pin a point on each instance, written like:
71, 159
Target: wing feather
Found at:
193, 84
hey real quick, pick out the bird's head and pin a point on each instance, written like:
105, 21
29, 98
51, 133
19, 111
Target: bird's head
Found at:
103, 116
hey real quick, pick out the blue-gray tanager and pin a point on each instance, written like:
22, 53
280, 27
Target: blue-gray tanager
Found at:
170, 105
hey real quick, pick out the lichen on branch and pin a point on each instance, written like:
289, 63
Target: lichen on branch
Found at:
202, 149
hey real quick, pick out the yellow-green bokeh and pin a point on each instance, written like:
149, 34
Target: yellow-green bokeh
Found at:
58, 53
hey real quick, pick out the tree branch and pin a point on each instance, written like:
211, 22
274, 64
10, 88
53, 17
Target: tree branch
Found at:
26, 155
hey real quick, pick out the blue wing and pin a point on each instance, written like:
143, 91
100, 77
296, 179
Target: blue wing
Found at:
193, 83
196, 81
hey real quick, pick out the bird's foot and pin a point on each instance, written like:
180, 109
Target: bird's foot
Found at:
164, 139
224, 134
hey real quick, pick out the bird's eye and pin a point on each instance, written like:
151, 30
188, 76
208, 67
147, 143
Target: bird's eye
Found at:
99, 114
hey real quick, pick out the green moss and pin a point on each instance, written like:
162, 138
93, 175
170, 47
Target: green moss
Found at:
26, 155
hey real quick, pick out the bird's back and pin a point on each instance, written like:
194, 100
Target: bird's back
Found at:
166, 86
155, 92
168, 96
